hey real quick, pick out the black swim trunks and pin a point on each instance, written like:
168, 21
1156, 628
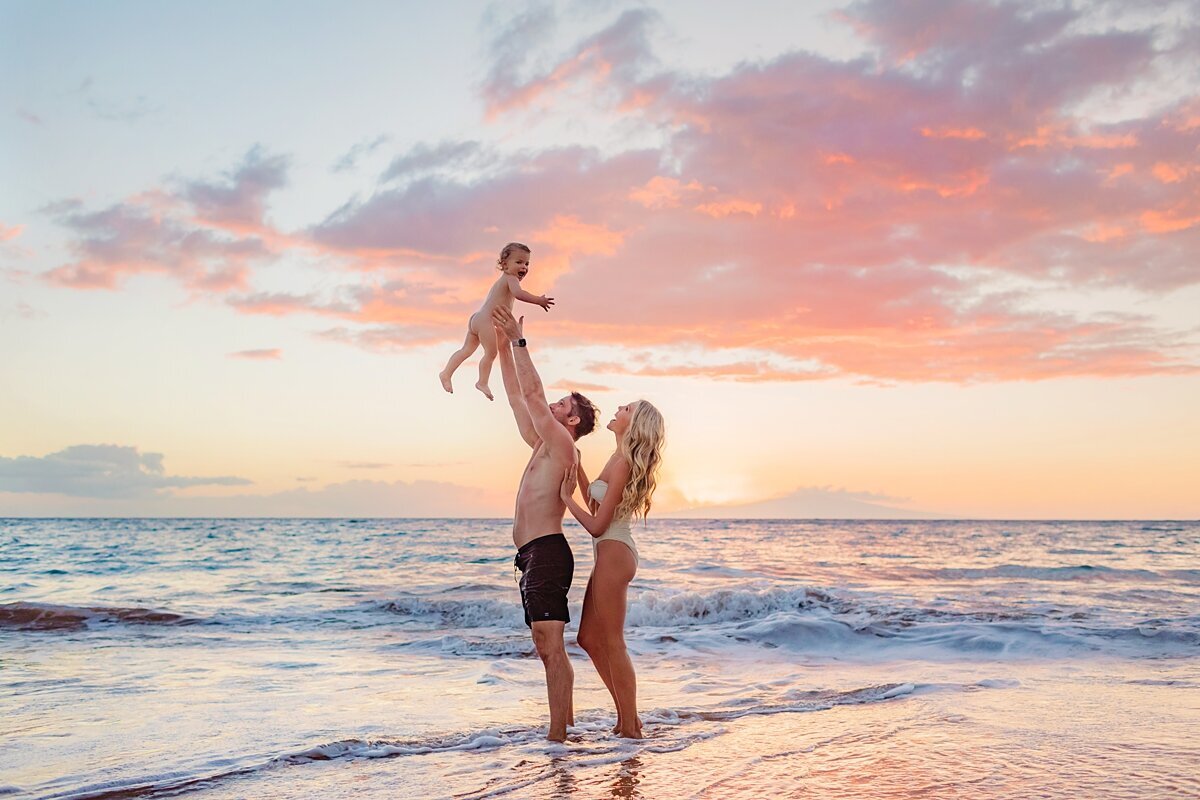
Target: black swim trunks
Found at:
546, 566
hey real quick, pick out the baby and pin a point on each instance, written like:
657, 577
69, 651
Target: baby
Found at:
514, 264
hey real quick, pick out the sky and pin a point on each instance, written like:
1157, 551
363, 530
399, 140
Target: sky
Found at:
926, 258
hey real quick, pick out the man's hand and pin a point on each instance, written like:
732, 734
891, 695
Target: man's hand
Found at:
545, 302
512, 328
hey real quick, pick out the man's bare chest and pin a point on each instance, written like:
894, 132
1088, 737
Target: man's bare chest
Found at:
539, 464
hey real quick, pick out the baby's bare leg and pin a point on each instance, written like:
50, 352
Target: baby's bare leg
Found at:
487, 337
456, 360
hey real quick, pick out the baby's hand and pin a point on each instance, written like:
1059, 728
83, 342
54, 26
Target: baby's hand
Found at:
545, 302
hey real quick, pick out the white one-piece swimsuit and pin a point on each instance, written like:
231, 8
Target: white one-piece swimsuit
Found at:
618, 529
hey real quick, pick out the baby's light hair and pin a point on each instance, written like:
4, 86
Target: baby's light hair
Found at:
507, 251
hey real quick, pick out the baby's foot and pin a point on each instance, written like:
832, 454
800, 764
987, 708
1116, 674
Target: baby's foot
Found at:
487, 392
445, 379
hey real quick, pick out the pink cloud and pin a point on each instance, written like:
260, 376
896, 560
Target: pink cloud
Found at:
10, 232
831, 217
206, 235
578, 386
608, 58
271, 354
662, 192
127, 239
239, 201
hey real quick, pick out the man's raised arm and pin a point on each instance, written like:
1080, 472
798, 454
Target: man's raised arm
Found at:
546, 426
512, 388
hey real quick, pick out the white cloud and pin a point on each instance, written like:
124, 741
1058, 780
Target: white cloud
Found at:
98, 471
811, 502
357, 498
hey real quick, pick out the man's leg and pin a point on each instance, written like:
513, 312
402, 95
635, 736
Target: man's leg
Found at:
560, 678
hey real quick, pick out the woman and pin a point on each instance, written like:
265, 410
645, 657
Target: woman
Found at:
620, 493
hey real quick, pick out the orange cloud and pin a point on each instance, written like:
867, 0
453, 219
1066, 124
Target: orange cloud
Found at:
954, 133
725, 208
1061, 135
569, 234
1167, 221
965, 185
662, 192
1171, 173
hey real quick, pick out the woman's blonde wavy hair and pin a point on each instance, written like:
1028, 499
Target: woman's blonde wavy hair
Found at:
641, 447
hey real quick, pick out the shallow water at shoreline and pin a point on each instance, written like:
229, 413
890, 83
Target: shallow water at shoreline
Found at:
289, 658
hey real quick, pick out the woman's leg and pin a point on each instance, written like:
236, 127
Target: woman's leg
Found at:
456, 360
591, 639
615, 568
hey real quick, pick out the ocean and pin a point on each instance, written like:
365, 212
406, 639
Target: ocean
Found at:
373, 658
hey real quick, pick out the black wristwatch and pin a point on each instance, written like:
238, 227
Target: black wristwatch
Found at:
519, 343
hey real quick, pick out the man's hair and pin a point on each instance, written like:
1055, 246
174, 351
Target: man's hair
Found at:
587, 411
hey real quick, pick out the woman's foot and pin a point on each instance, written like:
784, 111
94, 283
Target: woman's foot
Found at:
633, 732
487, 392
445, 379
627, 730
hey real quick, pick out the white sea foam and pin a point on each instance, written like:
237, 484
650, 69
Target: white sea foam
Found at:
809, 620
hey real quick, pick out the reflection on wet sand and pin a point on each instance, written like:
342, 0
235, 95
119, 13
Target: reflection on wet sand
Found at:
627, 780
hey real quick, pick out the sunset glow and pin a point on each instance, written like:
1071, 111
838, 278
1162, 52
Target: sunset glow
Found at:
944, 255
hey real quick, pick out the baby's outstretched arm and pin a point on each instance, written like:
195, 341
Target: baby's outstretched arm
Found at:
514, 286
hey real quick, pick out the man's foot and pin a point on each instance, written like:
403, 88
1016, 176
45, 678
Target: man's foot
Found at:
557, 736
445, 379
483, 387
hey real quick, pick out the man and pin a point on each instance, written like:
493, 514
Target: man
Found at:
543, 555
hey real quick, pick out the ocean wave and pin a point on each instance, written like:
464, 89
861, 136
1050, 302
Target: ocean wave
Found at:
47, 617
476, 613
688, 609
1086, 572
481, 646
812, 621
659, 609
591, 741
828, 636
821, 623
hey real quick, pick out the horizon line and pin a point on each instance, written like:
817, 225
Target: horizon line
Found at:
660, 517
